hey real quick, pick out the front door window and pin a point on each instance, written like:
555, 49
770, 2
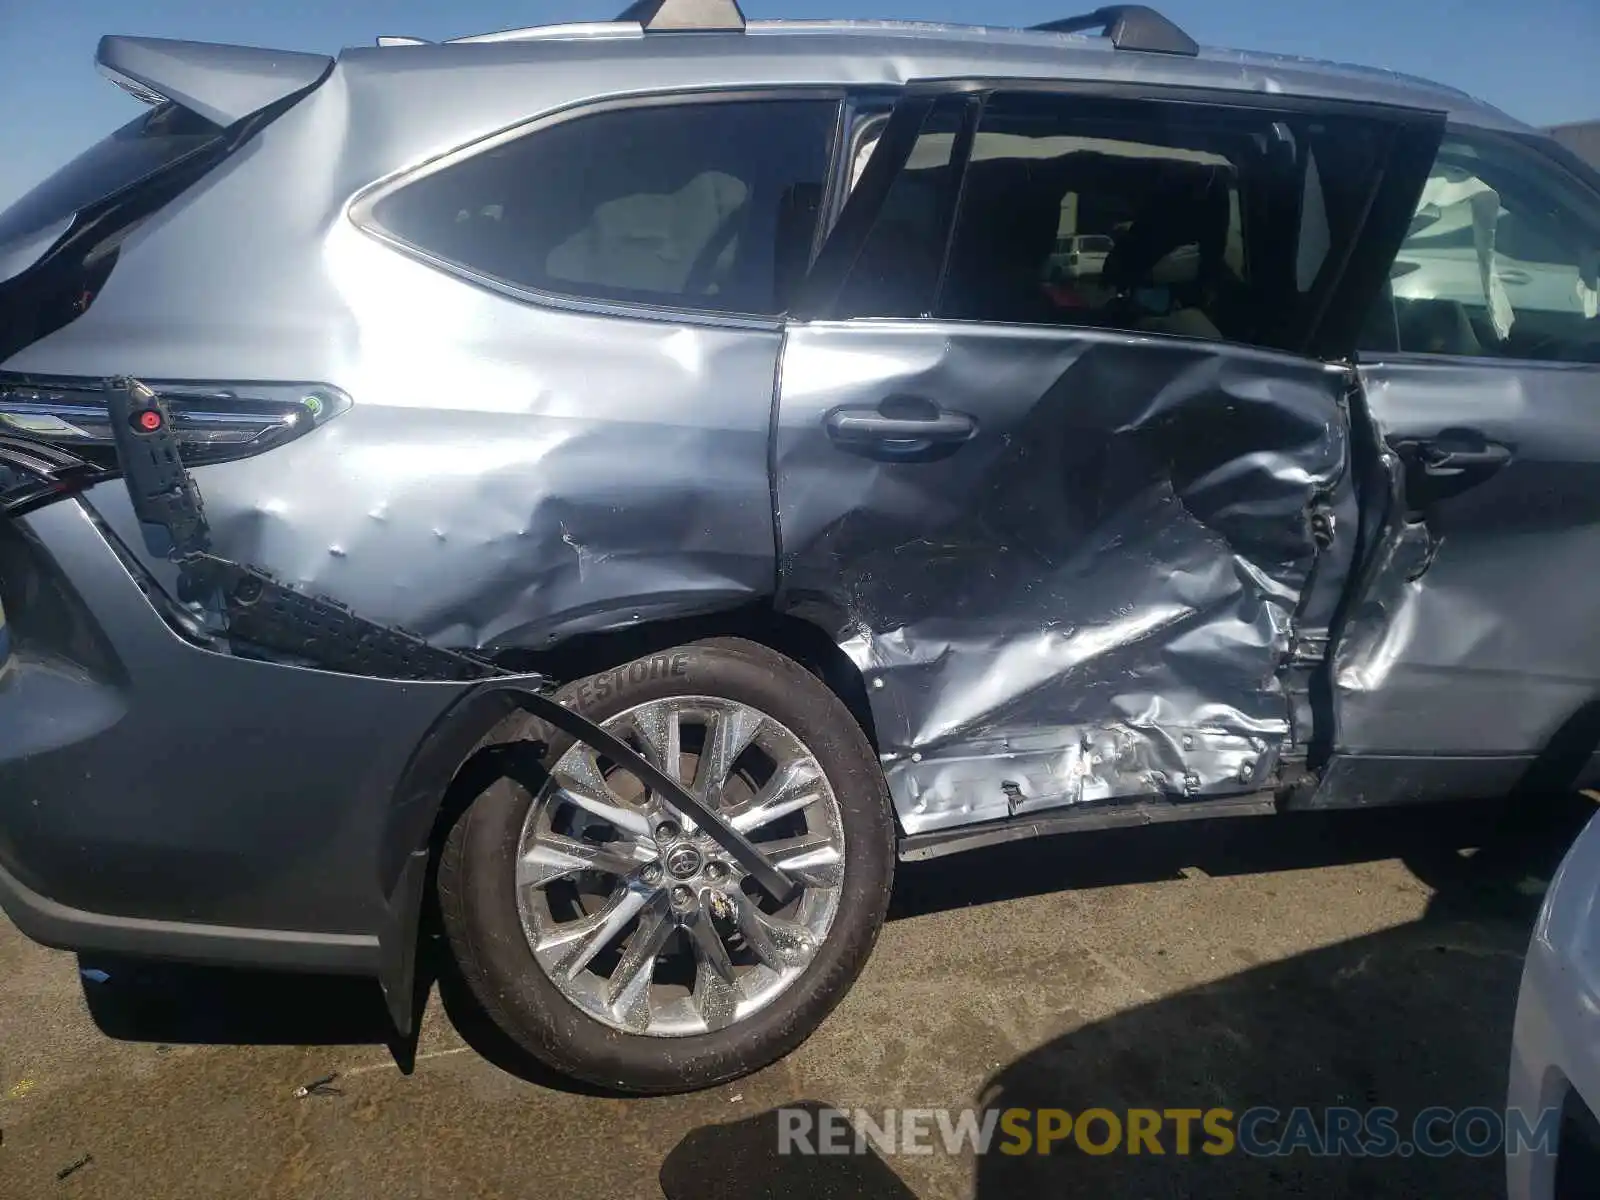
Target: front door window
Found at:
1501, 260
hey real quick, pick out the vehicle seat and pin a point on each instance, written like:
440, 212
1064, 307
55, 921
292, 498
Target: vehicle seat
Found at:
1188, 211
649, 242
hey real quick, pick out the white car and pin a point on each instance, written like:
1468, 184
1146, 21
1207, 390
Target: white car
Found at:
1555, 1054
1082, 255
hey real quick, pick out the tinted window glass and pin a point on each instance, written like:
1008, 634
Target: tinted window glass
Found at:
1136, 215
150, 141
1500, 261
707, 206
1158, 218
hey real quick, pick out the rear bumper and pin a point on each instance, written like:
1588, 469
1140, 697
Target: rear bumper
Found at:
157, 798
53, 924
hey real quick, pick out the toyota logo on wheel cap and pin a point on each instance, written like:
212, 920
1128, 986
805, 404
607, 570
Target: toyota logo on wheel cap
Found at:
683, 861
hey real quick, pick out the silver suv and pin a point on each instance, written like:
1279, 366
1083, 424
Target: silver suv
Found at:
640, 479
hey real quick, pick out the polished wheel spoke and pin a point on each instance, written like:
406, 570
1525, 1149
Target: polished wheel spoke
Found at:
583, 784
812, 859
660, 731
628, 993
728, 733
554, 856
776, 942
715, 997
571, 946
793, 786
709, 951
608, 809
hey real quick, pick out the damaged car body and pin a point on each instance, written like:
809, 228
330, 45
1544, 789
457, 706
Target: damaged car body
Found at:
650, 475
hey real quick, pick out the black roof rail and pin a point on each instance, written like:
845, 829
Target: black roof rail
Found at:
1130, 27
704, 15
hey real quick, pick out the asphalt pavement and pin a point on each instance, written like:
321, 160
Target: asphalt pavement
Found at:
1341, 959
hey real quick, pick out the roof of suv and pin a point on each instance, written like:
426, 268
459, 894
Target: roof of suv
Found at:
841, 51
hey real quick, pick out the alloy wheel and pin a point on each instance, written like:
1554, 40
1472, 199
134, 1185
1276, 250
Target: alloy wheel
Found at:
640, 919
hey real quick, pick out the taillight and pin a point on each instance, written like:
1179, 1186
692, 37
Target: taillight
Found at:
213, 422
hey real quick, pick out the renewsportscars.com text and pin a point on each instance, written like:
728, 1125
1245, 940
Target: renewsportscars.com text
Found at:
1261, 1132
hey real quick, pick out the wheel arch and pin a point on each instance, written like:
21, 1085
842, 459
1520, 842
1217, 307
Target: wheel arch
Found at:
450, 767
806, 641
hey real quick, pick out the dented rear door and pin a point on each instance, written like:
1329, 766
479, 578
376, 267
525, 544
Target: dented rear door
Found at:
1081, 554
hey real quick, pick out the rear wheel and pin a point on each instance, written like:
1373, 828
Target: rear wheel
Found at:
614, 940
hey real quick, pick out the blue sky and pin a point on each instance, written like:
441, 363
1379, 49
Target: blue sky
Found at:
1537, 59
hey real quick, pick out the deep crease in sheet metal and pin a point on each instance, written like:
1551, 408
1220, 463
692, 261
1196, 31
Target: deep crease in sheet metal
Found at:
1092, 598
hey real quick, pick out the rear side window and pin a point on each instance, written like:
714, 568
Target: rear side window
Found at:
1502, 259
1216, 223
1200, 222
147, 144
709, 205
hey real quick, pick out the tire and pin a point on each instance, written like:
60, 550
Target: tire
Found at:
492, 934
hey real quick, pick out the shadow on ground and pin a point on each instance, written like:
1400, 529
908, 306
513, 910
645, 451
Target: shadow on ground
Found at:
177, 1004
740, 1160
144, 1001
1409, 1018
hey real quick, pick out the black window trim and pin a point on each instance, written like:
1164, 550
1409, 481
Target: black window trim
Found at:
360, 209
1359, 261
858, 214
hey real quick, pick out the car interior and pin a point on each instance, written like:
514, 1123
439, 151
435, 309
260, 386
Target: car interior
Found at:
1540, 238
1211, 229
646, 205
1206, 224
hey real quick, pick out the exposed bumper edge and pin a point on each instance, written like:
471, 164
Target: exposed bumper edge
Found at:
53, 924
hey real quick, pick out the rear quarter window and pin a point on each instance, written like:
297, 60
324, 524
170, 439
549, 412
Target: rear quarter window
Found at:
700, 205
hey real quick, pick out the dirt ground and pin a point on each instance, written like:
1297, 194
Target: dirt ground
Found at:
1356, 958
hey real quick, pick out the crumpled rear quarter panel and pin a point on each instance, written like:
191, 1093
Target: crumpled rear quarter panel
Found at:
511, 474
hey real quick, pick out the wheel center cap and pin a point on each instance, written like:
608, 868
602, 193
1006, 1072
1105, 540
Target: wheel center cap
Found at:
684, 862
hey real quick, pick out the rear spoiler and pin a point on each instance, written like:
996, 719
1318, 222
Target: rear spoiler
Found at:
223, 84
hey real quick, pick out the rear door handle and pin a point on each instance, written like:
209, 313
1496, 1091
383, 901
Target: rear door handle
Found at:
901, 429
